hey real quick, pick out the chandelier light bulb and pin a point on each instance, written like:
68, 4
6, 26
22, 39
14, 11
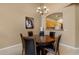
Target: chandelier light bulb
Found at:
39, 8
41, 12
45, 7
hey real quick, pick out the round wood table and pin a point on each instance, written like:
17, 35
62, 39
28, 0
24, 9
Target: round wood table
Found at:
43, 41
46, 39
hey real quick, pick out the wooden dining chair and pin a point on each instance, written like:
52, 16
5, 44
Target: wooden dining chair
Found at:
55, 49
23, 43
52, 34
29, 45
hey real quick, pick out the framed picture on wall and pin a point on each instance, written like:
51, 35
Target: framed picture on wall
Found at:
29, 22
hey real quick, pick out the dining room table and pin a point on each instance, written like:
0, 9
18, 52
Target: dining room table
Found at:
43, 41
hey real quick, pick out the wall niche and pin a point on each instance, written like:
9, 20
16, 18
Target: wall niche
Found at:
54, 21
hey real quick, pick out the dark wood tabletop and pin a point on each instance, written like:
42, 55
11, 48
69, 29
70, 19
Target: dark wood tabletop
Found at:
44, 39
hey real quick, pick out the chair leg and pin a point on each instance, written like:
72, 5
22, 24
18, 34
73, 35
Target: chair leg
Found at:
58, 52
44, 52
22, 52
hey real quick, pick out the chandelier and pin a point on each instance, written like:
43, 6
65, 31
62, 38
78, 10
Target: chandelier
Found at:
42, 10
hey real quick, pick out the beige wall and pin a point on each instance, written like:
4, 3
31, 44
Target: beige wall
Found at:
77, 25
12, 17
68, 36
71, 24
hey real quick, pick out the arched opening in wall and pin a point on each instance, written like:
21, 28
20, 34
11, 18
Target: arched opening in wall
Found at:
54, 21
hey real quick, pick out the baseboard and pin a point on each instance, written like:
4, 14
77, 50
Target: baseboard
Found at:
12, 50
68, 50
68, 46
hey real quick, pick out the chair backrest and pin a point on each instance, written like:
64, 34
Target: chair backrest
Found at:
41, 33
30, 46
52, 34
22, 39
30, 33
57, 43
